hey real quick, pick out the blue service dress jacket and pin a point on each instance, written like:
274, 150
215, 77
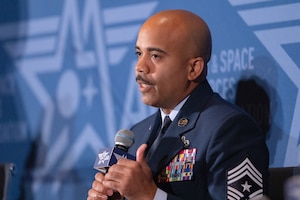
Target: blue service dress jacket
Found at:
211, 150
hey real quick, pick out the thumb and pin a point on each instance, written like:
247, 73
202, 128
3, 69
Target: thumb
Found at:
140, 153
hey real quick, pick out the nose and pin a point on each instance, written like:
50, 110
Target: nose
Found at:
142, 65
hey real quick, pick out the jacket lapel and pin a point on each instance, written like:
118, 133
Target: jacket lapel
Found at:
172, 142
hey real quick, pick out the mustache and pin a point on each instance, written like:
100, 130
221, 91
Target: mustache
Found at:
141, 78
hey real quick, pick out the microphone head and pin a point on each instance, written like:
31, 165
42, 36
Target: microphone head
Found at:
124, 138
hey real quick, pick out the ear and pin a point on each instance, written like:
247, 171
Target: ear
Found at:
196, 66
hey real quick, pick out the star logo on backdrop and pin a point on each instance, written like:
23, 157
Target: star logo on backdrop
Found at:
67, 71
274, 40
89, 91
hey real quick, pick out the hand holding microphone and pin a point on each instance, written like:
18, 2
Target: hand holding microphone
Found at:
131, 177
107, 157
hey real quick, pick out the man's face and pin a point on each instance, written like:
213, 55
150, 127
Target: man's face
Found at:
161, 68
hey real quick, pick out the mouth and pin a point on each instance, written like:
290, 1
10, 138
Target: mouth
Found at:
143, 83
141, 80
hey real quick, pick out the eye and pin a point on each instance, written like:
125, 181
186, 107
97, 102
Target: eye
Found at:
155, 56
138, 53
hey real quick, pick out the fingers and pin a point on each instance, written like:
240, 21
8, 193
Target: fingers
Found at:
94, 195
114, 176
99, 177
98, 190
140, 153
141, 159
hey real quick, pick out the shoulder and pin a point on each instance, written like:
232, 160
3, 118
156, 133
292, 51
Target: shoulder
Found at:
221, 109
223, 120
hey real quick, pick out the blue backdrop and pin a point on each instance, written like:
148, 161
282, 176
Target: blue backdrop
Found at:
67, 82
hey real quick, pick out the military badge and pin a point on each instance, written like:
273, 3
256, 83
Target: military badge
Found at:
244, 181
185, 141
182, 122
180, 168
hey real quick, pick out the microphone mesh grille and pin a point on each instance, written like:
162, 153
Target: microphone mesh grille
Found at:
124, 138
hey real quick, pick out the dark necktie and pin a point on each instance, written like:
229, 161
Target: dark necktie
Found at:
166, 124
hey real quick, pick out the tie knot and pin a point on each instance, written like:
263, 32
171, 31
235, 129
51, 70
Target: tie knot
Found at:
166, 124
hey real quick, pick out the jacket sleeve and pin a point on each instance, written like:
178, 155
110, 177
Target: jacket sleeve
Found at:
237, 159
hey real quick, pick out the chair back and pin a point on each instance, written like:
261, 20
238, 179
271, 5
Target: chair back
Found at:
277, 179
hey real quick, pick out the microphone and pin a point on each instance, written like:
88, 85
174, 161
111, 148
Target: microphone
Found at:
107, 157
124, 139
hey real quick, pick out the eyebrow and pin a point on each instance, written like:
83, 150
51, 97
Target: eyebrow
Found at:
149, 49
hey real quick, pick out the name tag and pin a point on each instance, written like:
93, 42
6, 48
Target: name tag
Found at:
181, 167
